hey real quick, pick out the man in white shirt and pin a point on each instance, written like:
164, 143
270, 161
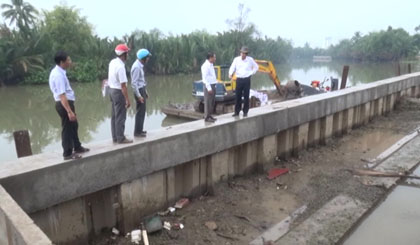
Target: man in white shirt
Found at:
209, 86
244, 67
117, 81
64, 104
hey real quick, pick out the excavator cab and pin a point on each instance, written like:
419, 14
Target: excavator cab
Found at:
225, 89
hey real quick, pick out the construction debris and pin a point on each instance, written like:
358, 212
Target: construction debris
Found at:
144, 235
135, 236
167, 225
153, 224
166, 212
276, 172
211, 225
182, 203
115, 231
178, 226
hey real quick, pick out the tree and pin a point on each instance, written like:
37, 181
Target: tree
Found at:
20, 13
242, 31
18, 57
68, 31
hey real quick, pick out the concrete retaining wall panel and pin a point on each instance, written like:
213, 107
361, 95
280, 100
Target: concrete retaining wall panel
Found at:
267, 151
66, 223
285, 143
141, 197
300, 138
103, 209
314, 132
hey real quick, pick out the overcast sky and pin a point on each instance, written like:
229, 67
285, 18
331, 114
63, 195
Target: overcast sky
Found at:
317, 22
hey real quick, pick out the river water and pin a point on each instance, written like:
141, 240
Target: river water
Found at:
32, 107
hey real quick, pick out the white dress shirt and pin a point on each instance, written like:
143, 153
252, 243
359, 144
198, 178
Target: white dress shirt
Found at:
116, 73
59, 84
208, 74
243, 68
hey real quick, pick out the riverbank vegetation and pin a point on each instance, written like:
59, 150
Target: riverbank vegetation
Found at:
29, 38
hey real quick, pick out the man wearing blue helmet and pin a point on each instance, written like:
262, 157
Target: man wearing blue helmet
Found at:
138, 83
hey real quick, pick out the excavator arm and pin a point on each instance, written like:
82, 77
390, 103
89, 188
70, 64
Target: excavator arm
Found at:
268, 67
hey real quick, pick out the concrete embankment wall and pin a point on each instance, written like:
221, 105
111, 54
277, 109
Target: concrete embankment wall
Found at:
16, 228
117, 185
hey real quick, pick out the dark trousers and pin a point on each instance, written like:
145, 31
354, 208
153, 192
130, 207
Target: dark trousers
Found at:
209, 100
140, 112
69, 137
242, 89
118, 115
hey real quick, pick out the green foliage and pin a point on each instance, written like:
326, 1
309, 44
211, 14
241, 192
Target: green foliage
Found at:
38, 77
83, 71
389, 45
18, 56
28, 45
67, 30
20, 13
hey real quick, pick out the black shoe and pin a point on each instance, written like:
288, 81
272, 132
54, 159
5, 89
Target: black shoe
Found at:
245, 114
235, 115
125, 141
213, 118
142, 134
209, 119
73, 156
81, 149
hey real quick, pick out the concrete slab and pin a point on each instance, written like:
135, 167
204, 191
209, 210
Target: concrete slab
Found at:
279, 229
404, 159
415, 182
395, 221
328, 224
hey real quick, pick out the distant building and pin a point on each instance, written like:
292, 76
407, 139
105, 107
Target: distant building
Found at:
321, 58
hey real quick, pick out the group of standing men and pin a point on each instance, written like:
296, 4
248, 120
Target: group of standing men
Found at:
117, 81
243, 65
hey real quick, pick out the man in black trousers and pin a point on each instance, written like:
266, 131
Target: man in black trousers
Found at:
244, 67
64, 104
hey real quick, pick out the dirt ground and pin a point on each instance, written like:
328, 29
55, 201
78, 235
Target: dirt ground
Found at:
244, 207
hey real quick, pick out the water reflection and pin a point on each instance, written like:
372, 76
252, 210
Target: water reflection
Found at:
32, 107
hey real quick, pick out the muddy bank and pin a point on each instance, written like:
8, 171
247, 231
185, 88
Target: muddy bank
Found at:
244, 207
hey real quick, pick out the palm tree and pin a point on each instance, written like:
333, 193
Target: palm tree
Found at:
20, 13
18, 57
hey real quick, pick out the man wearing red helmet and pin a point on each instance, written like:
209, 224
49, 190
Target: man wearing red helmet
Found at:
117, 80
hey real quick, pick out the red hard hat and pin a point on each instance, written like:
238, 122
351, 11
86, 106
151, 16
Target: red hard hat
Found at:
121, 48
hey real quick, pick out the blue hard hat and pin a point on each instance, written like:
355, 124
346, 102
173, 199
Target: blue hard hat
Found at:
142, 53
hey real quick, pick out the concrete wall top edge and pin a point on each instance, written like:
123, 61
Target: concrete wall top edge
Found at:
21, 228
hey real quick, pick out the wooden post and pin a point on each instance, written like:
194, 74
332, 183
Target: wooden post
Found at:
344, 76
409, 68
22, 143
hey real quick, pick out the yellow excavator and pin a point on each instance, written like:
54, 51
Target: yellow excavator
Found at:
225, 88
